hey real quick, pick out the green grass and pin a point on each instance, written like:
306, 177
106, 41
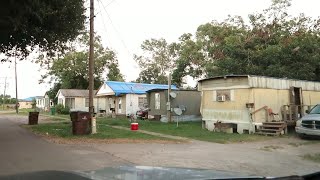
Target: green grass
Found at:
192, 130
64, 130
56, 117
312, 157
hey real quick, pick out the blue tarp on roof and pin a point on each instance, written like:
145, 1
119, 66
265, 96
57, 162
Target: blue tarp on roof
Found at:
134, 88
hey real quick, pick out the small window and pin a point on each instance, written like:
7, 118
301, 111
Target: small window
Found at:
225, 93
70, 102
142, 101
157, 101
87, 102
120, 103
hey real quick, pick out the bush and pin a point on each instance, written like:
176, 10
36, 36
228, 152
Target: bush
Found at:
60, 109
65, 110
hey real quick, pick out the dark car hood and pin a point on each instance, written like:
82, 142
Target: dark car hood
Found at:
157, 173
141, 173
131, 173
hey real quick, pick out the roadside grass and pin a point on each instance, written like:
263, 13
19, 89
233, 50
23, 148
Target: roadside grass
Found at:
192, 130
312, 157
56, 117
64, 130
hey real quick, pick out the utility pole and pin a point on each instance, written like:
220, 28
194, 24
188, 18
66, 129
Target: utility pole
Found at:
16, 80
91, 68
169, 103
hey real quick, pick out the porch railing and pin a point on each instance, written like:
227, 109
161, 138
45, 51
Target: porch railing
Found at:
294, 112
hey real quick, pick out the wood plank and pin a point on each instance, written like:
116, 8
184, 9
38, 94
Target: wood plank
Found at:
273, 130
265, 133
272, 126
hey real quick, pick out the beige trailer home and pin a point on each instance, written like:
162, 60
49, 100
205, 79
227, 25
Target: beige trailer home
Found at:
248, 101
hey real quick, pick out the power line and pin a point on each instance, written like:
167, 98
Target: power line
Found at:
104, 25
110, 2
118, 33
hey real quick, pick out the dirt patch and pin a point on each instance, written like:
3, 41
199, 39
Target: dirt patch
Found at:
271, 148
80, 140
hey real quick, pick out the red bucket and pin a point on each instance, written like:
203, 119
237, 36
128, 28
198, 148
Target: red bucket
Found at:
134, 126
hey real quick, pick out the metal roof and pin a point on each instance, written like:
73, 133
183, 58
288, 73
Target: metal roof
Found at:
219, 77
75, 92
273, 82
134, 88
29, 99
157, 90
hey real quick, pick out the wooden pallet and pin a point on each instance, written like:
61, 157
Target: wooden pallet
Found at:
272, 128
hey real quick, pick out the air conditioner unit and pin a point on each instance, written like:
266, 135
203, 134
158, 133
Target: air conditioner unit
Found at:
221, 98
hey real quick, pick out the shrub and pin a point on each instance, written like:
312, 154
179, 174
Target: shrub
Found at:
60, 109
65, 110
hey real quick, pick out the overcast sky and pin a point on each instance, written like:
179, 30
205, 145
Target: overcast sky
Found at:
125, 24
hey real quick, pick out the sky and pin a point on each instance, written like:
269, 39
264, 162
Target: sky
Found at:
124, 24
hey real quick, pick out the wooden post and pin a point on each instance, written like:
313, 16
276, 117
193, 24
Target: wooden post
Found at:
91, 65
290, 113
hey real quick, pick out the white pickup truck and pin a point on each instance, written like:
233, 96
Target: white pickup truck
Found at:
309, 125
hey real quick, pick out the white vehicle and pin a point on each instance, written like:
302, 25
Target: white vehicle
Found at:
309, 125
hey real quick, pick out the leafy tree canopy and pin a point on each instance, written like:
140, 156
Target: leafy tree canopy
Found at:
156, 62
46, 25
71, 70
272, 43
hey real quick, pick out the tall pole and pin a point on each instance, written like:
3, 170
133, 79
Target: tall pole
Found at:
91, 68
16, 81
169, 103
91, 56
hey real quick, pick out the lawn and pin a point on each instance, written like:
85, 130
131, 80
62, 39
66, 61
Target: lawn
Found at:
63, 130
192, 130
56, 117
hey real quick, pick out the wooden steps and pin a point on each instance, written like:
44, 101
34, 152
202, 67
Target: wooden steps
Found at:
272, 128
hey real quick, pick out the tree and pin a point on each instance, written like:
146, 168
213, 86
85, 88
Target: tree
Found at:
7, 99
272, 44
157, 61
190, 59
46, 25
71, 70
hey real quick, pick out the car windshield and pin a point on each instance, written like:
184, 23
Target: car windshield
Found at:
315, 110
181, 86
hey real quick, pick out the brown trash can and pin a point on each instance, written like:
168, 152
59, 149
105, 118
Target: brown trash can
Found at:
80, 122
33, 118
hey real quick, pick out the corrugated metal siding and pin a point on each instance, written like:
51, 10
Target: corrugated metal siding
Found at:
223, 82
274, 83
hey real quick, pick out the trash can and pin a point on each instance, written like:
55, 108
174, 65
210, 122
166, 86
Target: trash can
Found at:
33, 118
80, 122
53, 111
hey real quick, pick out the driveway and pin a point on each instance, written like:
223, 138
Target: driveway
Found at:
22, 151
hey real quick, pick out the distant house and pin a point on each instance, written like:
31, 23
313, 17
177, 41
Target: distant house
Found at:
188, 101
125, 98
76, 99
249, 101
27, 102
43, 102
